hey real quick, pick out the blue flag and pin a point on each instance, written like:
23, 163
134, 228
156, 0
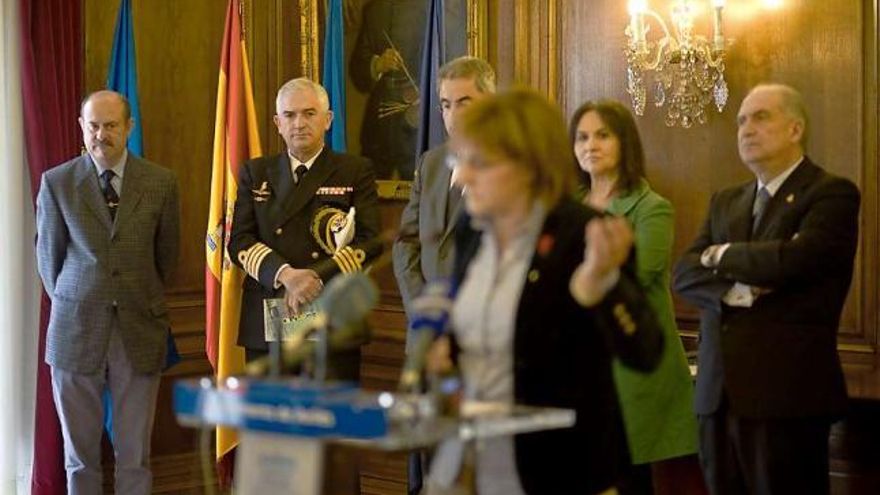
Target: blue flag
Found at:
431, 130
334, 74
122, 75
122, 78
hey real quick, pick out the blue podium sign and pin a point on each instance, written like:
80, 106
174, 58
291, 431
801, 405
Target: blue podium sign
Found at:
291, 407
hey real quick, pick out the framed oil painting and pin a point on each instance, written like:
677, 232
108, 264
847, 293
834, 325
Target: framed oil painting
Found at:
384, 42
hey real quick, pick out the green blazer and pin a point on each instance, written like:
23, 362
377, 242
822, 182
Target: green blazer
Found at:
657, 407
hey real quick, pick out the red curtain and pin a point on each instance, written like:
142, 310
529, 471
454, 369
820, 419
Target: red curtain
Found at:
51, 71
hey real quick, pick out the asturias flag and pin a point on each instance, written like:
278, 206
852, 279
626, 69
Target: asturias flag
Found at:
122, 75
334, 74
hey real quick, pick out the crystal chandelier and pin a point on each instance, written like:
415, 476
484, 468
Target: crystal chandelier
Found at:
688, 69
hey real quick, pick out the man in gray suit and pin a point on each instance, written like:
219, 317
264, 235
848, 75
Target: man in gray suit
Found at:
423, 249
108, 235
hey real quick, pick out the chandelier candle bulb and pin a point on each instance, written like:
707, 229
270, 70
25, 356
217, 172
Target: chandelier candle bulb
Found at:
684, 70
716, 24
634, 27
636, 9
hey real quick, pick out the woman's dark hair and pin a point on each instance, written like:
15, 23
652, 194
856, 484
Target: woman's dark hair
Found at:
621, 123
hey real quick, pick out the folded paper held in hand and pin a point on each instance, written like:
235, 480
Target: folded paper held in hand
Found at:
280, 325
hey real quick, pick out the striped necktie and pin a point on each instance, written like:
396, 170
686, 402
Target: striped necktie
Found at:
109, 191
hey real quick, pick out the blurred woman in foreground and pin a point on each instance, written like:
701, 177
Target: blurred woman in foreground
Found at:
658, 407
545, 298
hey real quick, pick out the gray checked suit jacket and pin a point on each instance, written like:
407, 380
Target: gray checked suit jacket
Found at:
93, 267
424, 249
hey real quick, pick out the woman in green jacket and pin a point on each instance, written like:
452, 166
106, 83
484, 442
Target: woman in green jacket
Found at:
657, 407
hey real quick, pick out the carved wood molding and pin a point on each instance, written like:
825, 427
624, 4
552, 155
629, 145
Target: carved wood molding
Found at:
478, 28
309, 39
860, 345
536, 45
553, 54
521, 56
869, 301
394, 189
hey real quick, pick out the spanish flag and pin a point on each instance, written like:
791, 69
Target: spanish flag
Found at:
236, 139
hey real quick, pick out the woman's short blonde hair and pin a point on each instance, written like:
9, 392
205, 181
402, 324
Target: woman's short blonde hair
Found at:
526, 128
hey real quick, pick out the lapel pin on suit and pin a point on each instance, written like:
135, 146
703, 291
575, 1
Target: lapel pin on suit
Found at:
534, 275
790, 198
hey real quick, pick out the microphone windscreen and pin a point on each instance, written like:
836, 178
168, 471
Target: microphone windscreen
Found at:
348, 298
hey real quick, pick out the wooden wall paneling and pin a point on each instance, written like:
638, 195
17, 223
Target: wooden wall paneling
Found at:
262, 32
543, 36
501, 46
532, 45
870, 180
273, 43
383, 356
854, 457
552, 36
860, 343
382, 270
521, 41
381, 474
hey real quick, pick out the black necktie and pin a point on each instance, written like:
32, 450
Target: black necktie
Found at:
761, 200
299, 173
109, 192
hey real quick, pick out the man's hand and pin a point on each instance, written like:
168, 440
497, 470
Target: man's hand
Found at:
301, 286
439, 361
608, 243
711, 256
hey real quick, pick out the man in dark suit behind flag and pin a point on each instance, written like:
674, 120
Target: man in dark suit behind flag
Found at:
770, 271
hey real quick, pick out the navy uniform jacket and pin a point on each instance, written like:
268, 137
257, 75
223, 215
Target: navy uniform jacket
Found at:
275, 223
777, 358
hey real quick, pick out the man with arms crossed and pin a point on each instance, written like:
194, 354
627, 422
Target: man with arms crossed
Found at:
770, 271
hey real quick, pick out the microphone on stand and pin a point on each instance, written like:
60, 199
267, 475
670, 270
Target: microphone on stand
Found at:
429, 321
